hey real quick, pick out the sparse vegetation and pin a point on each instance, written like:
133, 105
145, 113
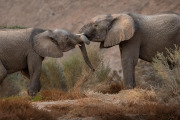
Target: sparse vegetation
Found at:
14, 84
52, 75
12, 27
168, 67
159, 96
73, 69
76, 70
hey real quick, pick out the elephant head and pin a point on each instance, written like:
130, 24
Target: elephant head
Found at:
52, 43
110, 30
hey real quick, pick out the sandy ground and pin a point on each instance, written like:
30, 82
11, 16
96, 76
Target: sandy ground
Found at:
120, 101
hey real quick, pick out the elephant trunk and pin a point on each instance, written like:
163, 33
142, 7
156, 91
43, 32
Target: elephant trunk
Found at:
85, 56
84, 39
80, 38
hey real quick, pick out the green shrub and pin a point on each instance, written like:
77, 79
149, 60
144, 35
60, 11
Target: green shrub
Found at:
168, 67
52, 75
73, 69
12, 27
37, 98
102, 69
76, 70
103, 72
13, 84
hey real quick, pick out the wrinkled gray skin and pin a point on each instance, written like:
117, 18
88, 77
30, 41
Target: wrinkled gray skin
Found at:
138, 36
24, 50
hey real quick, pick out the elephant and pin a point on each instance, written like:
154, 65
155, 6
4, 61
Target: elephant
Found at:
24, 50
138, 36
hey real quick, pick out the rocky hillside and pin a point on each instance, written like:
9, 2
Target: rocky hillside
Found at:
72, 14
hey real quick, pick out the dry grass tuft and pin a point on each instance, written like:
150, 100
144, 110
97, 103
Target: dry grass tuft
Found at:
112, 84
21, 109
74, 93
61, 95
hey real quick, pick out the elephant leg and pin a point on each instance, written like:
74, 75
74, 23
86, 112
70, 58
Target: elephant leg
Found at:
129, 59
25, 72
3, 72
34, 67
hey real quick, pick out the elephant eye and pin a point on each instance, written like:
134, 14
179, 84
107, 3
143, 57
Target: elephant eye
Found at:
95, 25
66, 38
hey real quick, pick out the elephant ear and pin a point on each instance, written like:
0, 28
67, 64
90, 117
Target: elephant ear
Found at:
45, 45
122, 28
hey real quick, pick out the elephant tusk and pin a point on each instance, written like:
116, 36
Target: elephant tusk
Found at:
83, 38
79, 44
80, 34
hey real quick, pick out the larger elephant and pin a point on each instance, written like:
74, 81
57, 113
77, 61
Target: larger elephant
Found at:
138, 36
24, 50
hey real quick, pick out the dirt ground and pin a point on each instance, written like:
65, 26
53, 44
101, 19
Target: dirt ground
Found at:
135, 104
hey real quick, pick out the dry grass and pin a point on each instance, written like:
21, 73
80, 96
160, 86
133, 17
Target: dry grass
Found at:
20, 109
97, 108
168, 67
55, 95
112, 84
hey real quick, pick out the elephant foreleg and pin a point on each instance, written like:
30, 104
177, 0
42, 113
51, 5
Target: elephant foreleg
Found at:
129, 59
34, 66
3, 72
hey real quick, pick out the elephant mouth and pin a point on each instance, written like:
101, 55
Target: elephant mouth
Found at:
69, 48
93, 38
97, 39
89, 34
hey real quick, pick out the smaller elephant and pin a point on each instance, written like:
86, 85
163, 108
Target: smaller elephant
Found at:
138, 36
24, 50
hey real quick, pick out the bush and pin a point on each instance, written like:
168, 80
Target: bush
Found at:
103, 72
12, 27
73, 69
52, 75
168, 67
76, 70
13, 84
